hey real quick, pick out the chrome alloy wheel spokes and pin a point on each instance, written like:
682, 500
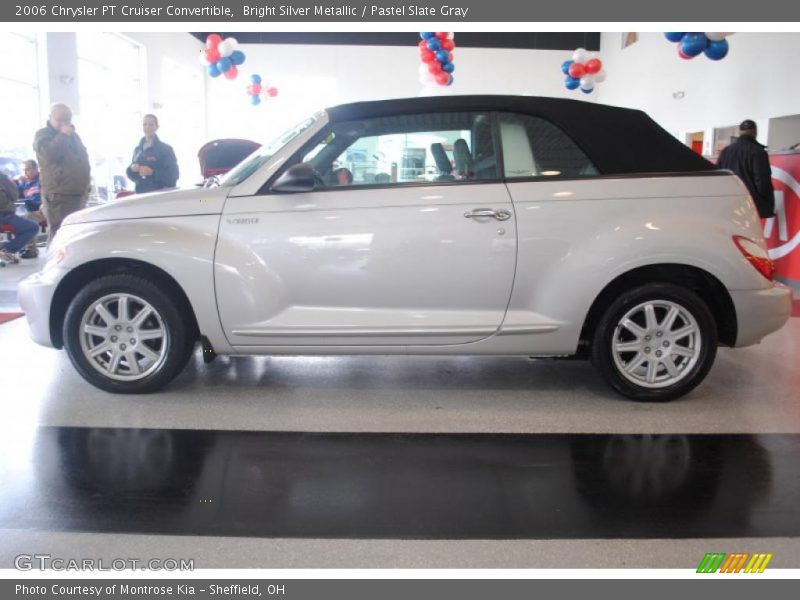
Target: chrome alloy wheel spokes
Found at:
123, 337
656, 344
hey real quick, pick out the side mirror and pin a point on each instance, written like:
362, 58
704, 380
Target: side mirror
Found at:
297, 178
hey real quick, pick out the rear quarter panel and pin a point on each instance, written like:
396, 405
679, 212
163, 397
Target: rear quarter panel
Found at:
576, 236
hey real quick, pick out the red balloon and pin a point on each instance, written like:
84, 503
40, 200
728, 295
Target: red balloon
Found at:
423, 44
250, 90
435, 67
427, 56
212, 55
256, 89
231, 73
577, 70
448, 45
272, 92
442, 35
682, 55
213, 40
442, 78
593, 65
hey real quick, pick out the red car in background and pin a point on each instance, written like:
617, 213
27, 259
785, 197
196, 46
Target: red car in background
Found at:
217, 157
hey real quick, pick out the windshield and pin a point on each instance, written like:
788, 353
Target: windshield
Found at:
258, 158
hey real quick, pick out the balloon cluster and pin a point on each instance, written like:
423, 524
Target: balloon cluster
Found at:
256, 89
435, 50
222, 57
713, 45
583, 71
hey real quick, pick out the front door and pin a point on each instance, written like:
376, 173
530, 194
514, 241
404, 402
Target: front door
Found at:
409, 238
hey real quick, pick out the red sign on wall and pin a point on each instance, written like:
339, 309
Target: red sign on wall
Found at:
782, 232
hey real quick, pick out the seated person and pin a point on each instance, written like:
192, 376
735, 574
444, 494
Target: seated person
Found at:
25, 229
340, 176
30, 189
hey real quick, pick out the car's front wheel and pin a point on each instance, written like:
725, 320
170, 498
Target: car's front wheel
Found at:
655, 342
125, 335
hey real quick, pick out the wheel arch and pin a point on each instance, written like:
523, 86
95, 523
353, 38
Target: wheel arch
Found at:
703, 283
72, 283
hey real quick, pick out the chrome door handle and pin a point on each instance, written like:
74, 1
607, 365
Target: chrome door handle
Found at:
500, 215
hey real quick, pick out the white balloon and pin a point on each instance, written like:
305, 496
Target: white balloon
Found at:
715, 37
233, 42
423, 69
587, 82
600, 76
225, 48
580, 55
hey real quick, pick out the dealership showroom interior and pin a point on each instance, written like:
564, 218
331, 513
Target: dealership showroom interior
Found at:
400, 300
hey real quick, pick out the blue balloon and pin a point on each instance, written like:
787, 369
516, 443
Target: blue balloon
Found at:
224, 64
571, 83
237, 57
255, 78
214, 71
448, 67
255, 100
693, 44
565, 66
585, 91
673, 36
426, 35
450, 81
434, 45
716, 50
443, 56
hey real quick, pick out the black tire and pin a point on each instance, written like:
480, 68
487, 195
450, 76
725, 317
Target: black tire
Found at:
173, 348
634, 385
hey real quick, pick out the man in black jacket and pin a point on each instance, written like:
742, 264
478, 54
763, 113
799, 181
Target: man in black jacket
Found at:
748, 159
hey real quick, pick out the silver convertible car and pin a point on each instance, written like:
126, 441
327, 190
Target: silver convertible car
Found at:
469, 225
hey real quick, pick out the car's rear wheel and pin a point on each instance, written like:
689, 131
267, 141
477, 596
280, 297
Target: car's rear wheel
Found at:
125, 335
655, 342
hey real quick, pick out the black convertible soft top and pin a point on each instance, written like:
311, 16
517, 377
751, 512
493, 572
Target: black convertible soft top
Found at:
617, 140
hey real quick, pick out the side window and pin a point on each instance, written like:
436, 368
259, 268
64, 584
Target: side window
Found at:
534, 147
404, 149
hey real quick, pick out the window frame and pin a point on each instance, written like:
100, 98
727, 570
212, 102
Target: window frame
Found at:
327, 130
536, 178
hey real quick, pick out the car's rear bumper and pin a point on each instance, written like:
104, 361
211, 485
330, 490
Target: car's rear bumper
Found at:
760, 312
35, 297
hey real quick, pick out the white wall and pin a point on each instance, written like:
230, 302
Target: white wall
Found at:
314, 77
756, 81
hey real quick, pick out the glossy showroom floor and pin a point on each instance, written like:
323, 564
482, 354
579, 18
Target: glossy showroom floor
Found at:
398, 462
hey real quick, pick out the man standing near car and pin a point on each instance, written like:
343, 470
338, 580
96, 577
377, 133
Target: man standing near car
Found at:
64, 168
748, 159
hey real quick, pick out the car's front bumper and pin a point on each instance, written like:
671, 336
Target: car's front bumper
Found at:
760, 312
35, 297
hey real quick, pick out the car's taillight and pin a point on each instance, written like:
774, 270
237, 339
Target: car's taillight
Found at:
756, 255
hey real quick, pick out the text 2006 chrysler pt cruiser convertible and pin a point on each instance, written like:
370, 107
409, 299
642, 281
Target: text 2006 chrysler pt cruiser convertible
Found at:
460, 225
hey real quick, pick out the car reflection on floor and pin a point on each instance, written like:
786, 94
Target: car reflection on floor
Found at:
429, 486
